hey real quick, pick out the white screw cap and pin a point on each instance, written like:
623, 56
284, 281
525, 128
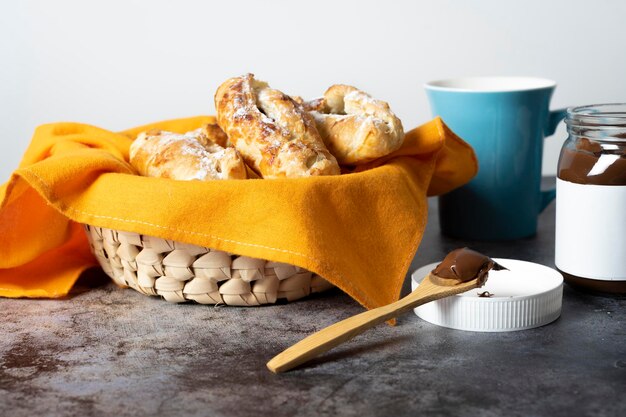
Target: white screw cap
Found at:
528, 295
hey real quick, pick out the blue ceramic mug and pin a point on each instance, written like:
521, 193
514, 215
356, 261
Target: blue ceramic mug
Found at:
505, 119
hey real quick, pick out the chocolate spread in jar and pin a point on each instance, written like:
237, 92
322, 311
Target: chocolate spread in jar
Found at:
592, 163
580, 165
462, 265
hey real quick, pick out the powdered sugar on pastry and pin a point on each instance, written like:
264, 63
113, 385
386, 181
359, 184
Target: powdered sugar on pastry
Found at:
355, 127
183, 157
273, 133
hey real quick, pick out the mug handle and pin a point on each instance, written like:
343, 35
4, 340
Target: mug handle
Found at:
554, 119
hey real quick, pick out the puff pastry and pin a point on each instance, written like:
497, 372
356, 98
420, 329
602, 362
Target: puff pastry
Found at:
189, 156
213, 134
355, 127
273, 133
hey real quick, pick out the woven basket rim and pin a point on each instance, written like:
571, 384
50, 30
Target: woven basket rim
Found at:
181, 272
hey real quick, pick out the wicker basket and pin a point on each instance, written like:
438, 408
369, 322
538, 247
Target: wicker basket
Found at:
182, 272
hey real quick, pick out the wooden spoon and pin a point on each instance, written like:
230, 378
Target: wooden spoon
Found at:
337, 333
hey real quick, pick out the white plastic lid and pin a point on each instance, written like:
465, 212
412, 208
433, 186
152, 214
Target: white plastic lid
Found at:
528, 295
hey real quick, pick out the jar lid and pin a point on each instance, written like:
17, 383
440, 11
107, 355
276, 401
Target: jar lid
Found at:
525, 296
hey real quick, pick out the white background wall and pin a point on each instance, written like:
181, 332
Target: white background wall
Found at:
117, 64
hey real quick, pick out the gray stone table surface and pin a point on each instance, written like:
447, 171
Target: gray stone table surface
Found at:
108, 351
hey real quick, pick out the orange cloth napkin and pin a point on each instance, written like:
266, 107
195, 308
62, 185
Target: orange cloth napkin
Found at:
360, 230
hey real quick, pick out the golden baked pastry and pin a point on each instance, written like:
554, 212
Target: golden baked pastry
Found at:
214, 134
273, 133
189, 156
355, 127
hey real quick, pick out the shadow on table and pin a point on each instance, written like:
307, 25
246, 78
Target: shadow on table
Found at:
90, 279
364, 347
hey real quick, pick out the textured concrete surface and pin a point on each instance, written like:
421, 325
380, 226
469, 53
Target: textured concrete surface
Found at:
106, 351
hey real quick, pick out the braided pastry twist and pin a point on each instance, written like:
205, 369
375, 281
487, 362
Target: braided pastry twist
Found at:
355, 127
189, 156
273, 133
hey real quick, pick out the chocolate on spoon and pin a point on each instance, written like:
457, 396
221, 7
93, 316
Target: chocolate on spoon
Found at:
461, 270
462, 265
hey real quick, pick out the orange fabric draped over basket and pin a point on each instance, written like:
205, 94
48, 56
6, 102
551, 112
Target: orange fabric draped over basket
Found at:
360, 230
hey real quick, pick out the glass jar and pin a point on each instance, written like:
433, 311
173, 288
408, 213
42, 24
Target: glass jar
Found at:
591, 199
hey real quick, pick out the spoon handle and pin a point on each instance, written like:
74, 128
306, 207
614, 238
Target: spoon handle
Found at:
342, 331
